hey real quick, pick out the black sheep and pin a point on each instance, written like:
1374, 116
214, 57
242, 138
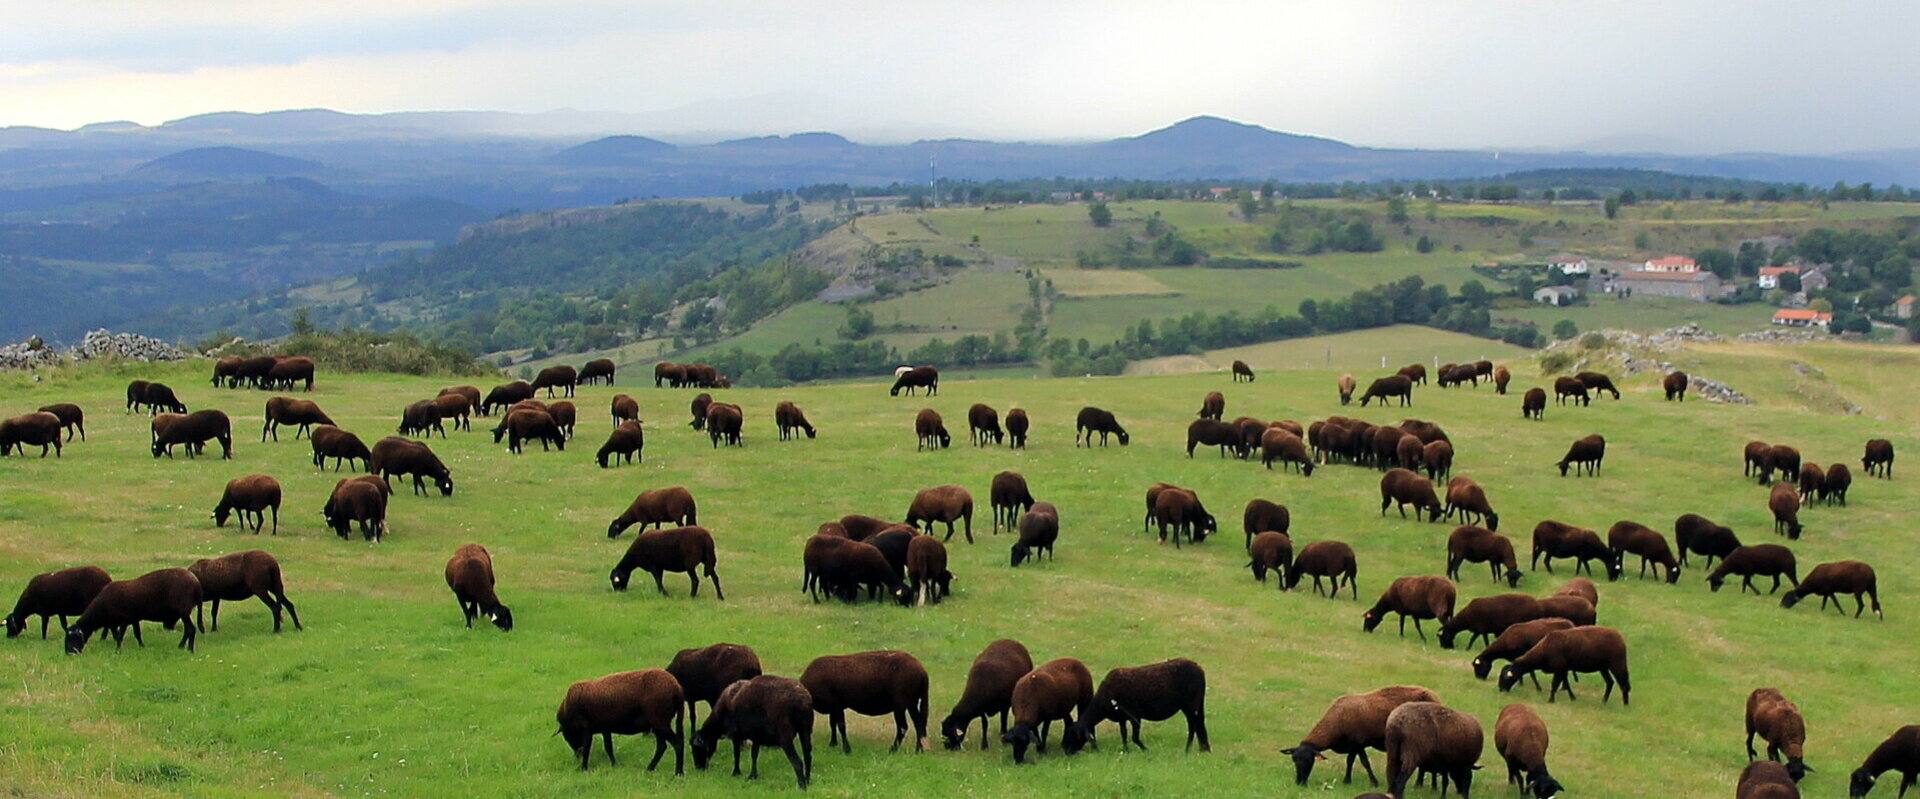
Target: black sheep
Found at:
1130, 695
1899, 752
1094, 420
1695, 534
763, 711
870, 684
196, 429
1830, 580
1039, 529
1579, 649
470, 574
1756, 560
677, 549
394, 455
703, 673
240, 576
62, 593
167, 596
989, 691
1059, 690
625, 703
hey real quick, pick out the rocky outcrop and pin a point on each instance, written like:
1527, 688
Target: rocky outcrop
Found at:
35, 352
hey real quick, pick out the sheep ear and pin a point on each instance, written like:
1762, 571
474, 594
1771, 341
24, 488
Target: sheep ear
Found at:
1319, 756
1809, 769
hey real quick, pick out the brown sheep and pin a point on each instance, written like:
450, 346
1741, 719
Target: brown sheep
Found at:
162, 421
1415, 372
625, 443
1756, 560
1626, 537
1279, 444
703, 673
1582, 588
564, 414
1899, 752
1271, 551
158, 397
1427, 432
1765, 779
927, 575
1353, 724
1386, 445
1430, 737
764, 711
167, 596
1331, 559
841, 567
1784, 501
1565, 387
1010, 498
1346, 385
597, 370
1521, 739
1215, 434
240, 576
930, 432
470, 575
418, 418
1470, 544
1463, 373
1878, 460
1130, 695
1533, 404
1017, 423
332, 442
1094, 420
457, 408
394, 455
983, 425
1812, 481
1777, 720
1408, 453
1213, 406
989, 691
1756, 456
1501, 377
1039, 529
1839, 478
791, 420
1572, 607
648, 701
1400, 487
554, 377
471, 393
225, 369
1488, 616
1784, 458
254, 494
1262, 516
1560, 540
917, 377
1059, 690
624, 409
528, 424
1576, 650
1418, 597
861, 527
71, 418
1388, 387
1830, 580
288, 371
870, 684
1438, 457
1466, 498
672, 374
699, 406
947, 503
1250, 430
686, 549
39, 428
1180, 510
1695, 534
1515, 641
505, 395
358, 499
62, 593
293, 412
1240, 370
1597, 382
1585, 455
1675, 384
194, 429
725, 421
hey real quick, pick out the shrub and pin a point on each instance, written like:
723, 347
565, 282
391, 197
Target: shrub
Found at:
1593, 341
1555, 363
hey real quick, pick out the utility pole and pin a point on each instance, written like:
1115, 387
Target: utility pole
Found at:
933, 178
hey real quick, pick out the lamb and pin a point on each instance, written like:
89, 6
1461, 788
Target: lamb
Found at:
1756, 560
564, 413
927, 575
1585, 454
1241, 369
647, 701
1278, 444
989, 690
1181, 511
1830, 580
790, 419
918, 377
1213, 406
1501, 377
195, 429
72, 419
686, 549
1834, 486
1675, 384
1560, 540
1271, 551
529, 424
1059, 690
1215, 434
253, 494
395, 455
1565, 387
946, 503
1626, 537
332, 442
1353, 724
1130, 695
627, 409
1466, 498
1776, 719
701, 402
1488, 616
623, 444
1346, 385
1332, 559
1899, 752
239, 576
62, 593
597, 370
1427, 736
505, 395
870, 684
1515, 641
1470, 544
1387, 387
158, 397
1784, 501
1401, 487
840, 566
1017, 428
553, 377
1576, 650
1039, 529
1521, 739
1438, 457
358, 499
39, 428
1765, 779
1094, 420
470, 575
302, 414
1695, 534
1010, 497
1417, 597
725, 421
705, 672
764, 711
1533, 404
1878, 460
167, 596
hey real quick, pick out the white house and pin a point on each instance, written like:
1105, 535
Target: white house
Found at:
1670, 263
1770, 275
1556, 295
1568, 264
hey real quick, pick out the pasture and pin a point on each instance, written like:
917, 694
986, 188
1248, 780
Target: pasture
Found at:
387, 693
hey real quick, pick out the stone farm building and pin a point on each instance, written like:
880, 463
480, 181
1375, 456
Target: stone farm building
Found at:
1692, 285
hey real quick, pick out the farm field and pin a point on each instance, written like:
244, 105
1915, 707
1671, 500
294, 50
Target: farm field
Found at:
1360, 351
386, 693
1647, 314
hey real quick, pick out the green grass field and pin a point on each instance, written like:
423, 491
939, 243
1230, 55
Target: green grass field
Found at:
1647, 314
386, 693
1361, 351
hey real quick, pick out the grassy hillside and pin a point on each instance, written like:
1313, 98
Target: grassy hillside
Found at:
386, 693
1360, 351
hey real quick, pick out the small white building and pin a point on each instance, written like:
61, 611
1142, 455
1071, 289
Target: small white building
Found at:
1770, 275
1568, 264
1556, 295
1670, 264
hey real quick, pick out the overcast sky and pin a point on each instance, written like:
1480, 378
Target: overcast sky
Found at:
1677, 75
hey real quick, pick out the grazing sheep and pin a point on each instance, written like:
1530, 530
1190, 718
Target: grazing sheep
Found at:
701, 402
167, 596
1899, 752
1580, 587
1830, 580
457, 408
1878, 460
288, 371
1430, 737
983, 425
358, 499
870, 684
1470, 544
530, 424
1570, 606
1565, 387
1017, 429
71, 418
1521, 739
1271, 550
1386, 445
1812, 482
240, 576
1094, 420
161, 422
332, 442
1533, 404
1627, 537
918, 377
158, 397
597, 370
394, 455
1387, 387
647, 701
1438, 457
627, 409
225, 369
1501, 377
194, 429
505, 395
930, 432
1130, 695
686, 549
1695, 534
1560, 540
1784, 458
725, 421
1263, 516
841, 567
927, 576
1418, 597
1585, 455
1181, 511
253, 494
554, 377
947, 503
39, 428
989, 691
470, 575
136, 395
1755, 455
1466, 498
1353, 724
1756, 560
790, 420
1059, 690
705, 672
1240, 370
1213, 406
1039, 529
1346, 385
763, 711
255, 371
1414, 372
1675, 384
1488, 616
1777, 720
1575, 650
1010, 498
1515, 641
1834, 486
295, 413
1784, 501
62, 593
861, 527
1765, 779
564, 414
1597, 382
673, 374
1215, 434
624, 443
1331, 559
1408, 453
1401, 487
1279, 444
1455, 375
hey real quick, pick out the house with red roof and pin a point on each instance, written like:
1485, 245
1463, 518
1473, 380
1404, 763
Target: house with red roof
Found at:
1802, 317
1770, 275
1670, 263
1903, 307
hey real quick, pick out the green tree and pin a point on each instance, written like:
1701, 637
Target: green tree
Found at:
1248, 208
1789, 282
1100, 214
1612, 206
302, 322
1474, 293
1424, 245
1643, 240
1894, 270
859, 324
1397, 209
1822, 304
1718, 261
1565, 329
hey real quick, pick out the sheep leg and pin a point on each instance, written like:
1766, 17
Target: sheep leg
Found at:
1136, 736
1416, 628
660, 582
137, 638
1046, 728
1607, 677
984, 730
189, 633
1365, 763
736, 757
717, 593
801, 771
216, 614
754, 774
899, 729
